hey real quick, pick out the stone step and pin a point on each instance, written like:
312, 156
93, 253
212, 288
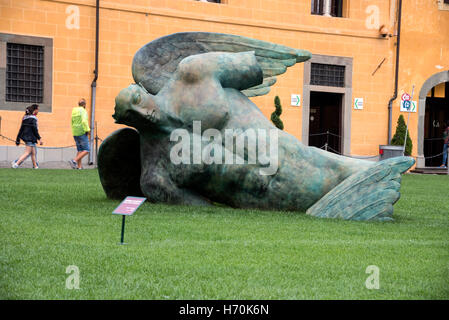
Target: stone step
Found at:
430, 170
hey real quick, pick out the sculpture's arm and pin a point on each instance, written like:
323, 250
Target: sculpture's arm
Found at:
160, 188
233, 70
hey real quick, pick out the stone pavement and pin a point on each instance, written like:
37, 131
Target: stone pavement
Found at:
45, 165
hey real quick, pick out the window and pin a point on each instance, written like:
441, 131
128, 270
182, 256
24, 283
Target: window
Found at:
318, 7
337, 8
25, 72
327, 75
332, 8
443, 4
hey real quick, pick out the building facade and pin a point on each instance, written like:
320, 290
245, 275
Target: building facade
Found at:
339, 100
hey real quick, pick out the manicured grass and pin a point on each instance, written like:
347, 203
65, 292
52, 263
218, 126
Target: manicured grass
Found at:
51, 219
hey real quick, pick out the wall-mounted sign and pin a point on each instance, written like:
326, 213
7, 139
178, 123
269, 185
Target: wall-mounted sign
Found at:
408, 106
358, 103
405, 97
295, 100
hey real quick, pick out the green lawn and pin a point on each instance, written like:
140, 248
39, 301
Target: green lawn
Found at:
51, 219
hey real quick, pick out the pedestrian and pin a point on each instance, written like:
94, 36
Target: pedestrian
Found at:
80, 130
29, 134
446, 143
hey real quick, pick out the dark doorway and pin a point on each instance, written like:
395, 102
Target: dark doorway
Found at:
437, 111
325, 120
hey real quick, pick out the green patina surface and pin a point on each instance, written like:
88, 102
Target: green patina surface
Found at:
207, 78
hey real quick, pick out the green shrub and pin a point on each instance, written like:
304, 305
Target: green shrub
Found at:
399, 136
275, 116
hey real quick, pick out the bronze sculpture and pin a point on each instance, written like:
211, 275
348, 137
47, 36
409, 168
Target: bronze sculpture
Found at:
192, 90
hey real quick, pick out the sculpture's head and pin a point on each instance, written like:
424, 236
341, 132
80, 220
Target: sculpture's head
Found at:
135, 107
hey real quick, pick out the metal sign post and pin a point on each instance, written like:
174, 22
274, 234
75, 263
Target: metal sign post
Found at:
408, 98
123, 230
127, 208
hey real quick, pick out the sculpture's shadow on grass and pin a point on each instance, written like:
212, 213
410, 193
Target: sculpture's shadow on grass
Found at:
217, 209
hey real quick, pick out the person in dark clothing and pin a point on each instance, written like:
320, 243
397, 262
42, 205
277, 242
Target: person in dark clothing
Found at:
30, 135
445, 143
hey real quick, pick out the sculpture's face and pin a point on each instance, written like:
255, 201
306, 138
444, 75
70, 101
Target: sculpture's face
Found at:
135, 107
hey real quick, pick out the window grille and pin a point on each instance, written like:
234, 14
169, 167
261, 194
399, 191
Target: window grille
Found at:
336, 7
327, 75
24, 73
317, 7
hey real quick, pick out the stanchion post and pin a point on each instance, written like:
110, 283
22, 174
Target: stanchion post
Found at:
96, 144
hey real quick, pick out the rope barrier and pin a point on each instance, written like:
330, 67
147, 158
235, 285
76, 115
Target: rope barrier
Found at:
65, 147
316, 134
430, 157
338, 136
433, 139
372, 157
324, 147
323, 133
335, 135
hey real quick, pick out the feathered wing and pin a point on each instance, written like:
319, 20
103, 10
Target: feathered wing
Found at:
367, 195
155, 62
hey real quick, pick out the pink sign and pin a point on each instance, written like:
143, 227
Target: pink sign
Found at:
129, 205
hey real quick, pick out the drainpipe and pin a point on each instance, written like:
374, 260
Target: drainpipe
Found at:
396, 75
93, 85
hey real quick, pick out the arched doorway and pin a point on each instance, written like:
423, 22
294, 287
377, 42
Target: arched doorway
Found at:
431, 110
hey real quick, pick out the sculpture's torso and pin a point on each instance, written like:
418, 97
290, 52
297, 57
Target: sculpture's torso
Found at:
303, 175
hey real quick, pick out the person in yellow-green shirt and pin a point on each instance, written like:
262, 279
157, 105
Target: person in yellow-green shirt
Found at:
80, 129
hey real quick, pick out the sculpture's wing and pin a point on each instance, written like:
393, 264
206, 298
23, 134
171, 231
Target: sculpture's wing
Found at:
155, 62
366, 195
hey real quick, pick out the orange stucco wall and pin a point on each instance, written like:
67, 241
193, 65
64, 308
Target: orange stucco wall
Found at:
424, 52
127, 25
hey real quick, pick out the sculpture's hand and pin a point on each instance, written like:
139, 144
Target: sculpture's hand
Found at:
367, 195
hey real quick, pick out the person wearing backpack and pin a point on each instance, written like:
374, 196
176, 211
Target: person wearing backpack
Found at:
29, 134
80, 130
